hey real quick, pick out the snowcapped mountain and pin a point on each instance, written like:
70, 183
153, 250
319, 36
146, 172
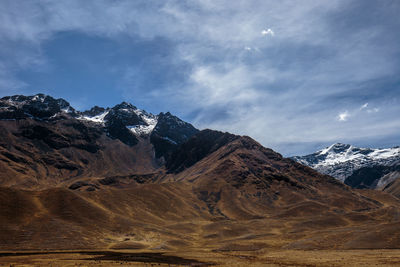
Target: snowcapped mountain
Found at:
123, 121
342, 160
38, 106
138, 121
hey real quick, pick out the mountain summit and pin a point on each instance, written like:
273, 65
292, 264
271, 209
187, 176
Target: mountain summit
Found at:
53, 127
358, 167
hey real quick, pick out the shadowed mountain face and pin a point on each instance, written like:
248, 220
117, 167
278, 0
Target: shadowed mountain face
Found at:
68, 180
373, 177
169, 132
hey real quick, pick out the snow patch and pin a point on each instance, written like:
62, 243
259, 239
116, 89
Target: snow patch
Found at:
149, 119
67, 110
385, 153
355, 154
141, 129
341, 160
97, 119
326, 150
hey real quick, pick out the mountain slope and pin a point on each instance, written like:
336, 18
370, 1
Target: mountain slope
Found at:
251, 171
393, 187
236, 195
69, 181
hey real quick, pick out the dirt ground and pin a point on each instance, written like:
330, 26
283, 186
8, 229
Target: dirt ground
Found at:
203, 258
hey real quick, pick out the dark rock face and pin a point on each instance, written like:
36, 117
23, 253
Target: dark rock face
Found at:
124, 114
83, 138
94, 111
196, 148
46, 135
369, 177
170, 132
39, 106
116, 129
118, 118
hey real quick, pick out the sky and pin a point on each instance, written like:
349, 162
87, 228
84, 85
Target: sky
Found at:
296, 76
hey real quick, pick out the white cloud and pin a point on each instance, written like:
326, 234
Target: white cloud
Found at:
268, 32
343, 116
364, 106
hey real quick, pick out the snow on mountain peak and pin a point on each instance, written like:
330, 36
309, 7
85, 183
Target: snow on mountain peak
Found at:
385, 153
342, 152
335, 148
99, 118
150, 119
39, 107
340, 160
138, 121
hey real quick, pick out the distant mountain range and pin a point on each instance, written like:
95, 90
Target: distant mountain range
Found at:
124, 121
121, 177
357, 167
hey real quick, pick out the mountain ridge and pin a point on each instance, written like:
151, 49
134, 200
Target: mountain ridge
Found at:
341, 160
68, 183
44, 136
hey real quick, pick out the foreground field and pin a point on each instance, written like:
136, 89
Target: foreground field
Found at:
199, 258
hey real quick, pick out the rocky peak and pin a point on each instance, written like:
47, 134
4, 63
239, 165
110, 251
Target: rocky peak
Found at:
336, 148
39, 106
125, 106
170, 132
341, 160
123, 121
126, 114
94, 111
173, 128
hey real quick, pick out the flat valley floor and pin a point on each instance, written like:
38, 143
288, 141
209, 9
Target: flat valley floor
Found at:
263, 257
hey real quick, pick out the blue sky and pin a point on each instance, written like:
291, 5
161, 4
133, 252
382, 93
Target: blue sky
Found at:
294, 75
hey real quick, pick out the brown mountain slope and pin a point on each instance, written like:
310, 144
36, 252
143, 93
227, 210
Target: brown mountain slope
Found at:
259, 175
64, 219
393, 187
217, 192
36, 154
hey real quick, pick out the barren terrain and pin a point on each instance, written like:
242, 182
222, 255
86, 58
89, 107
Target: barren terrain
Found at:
72, 195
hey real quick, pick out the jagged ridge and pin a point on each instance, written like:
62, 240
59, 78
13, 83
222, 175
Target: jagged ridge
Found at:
341, 160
